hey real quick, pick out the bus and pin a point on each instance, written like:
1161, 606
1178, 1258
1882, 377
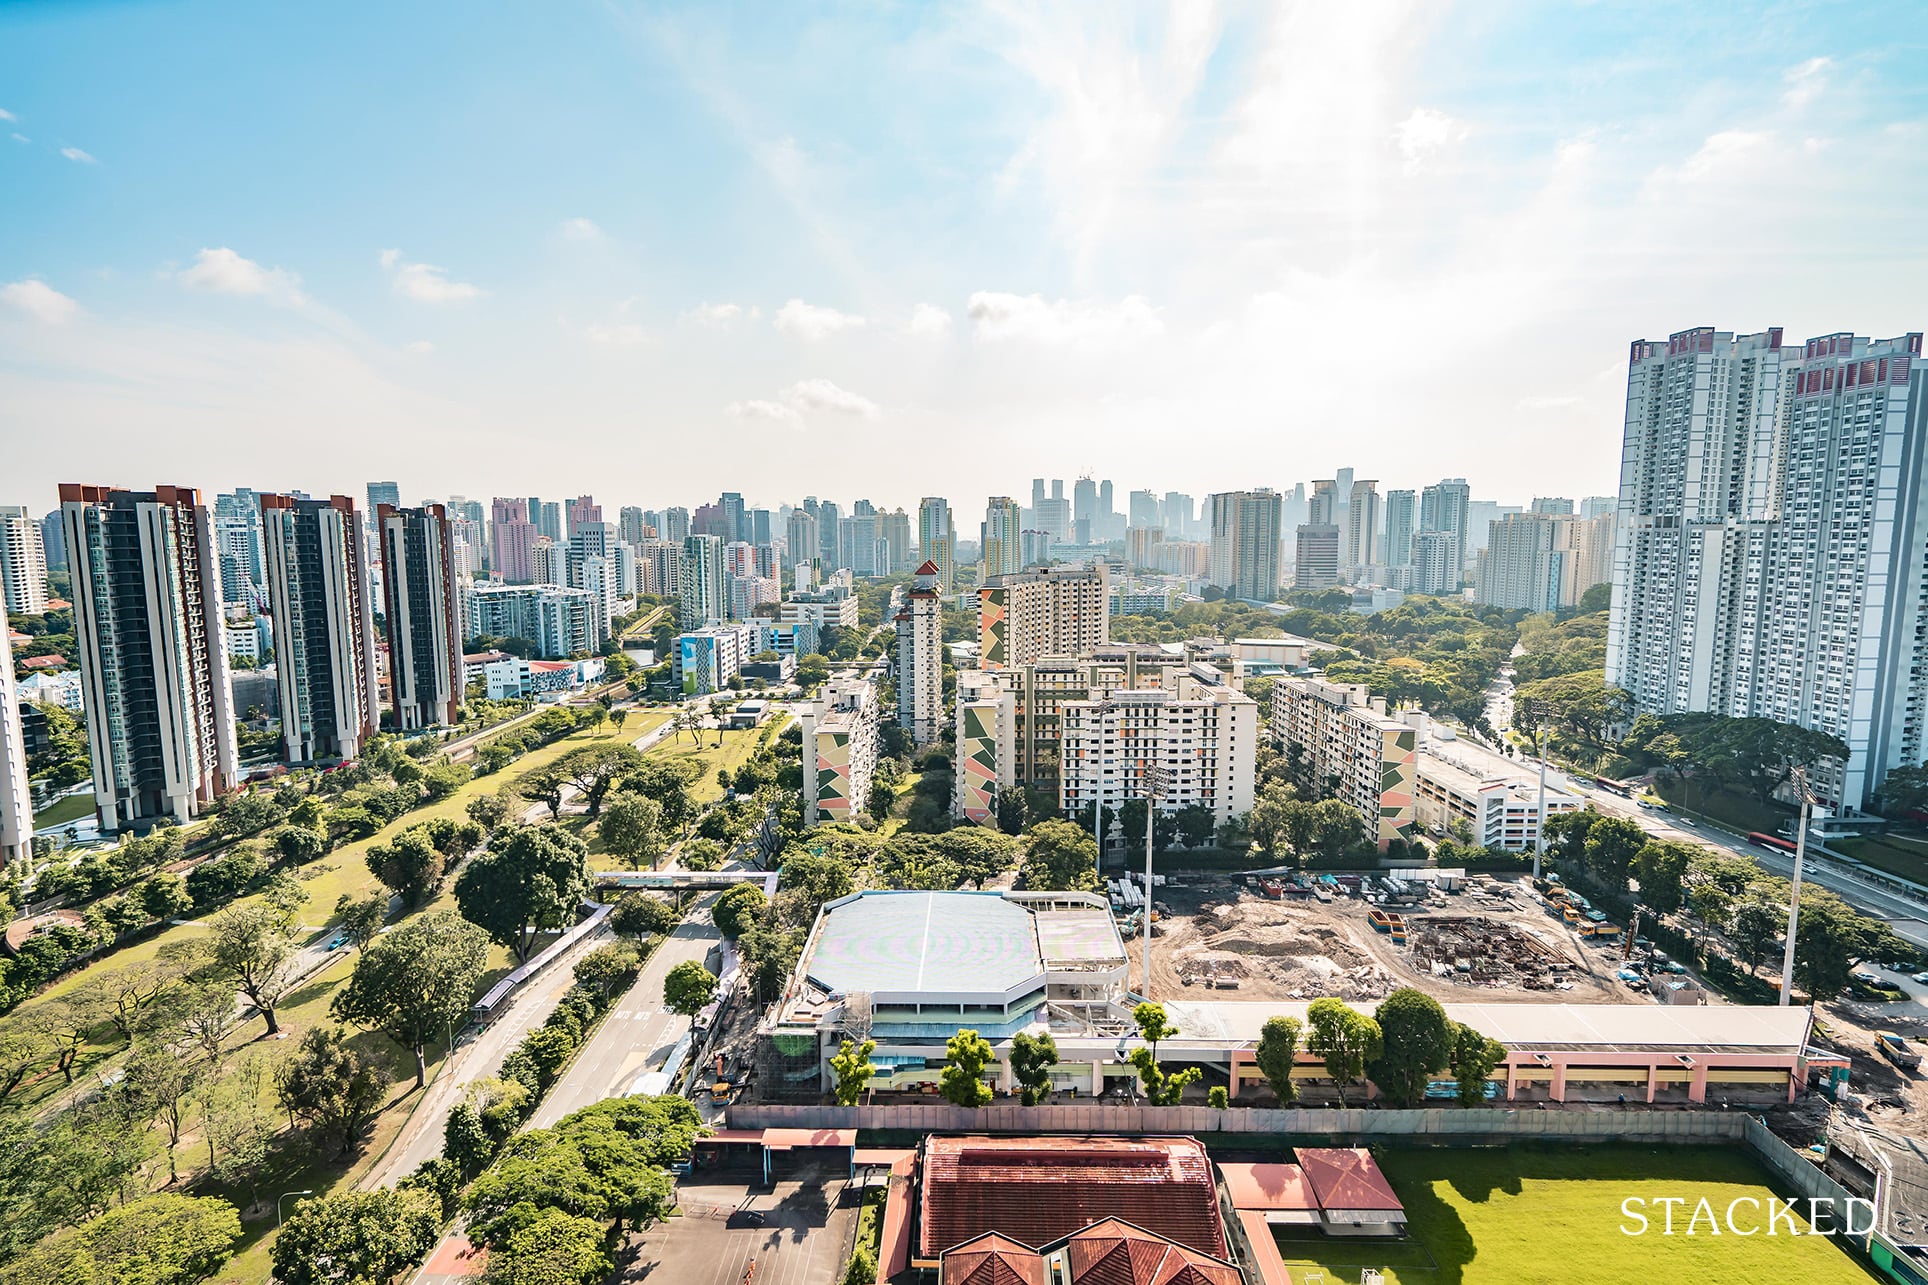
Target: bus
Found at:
1763, 840
1612, 786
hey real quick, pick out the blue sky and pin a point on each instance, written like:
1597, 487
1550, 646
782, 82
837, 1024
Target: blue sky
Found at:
655, 251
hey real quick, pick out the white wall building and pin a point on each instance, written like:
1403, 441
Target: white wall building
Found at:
920, 659
1202, 738
16, 799
1350, 749
23, 562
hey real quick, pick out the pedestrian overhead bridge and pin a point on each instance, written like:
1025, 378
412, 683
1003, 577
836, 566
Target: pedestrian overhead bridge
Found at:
677, 880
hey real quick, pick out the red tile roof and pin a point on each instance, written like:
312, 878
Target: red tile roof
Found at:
43, 662
992, 1259
1037, 1190
1115, 1252
1346, 1178
1268, 1186
929, 569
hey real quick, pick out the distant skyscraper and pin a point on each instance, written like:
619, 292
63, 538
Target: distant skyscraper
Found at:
920, 659
16, 798
704, 597
547, 517
1523, 567
154, 672
1594, 505
1179, 515
1362, 529
424, 616
800, 540
379, 493
1245, 542
1037, 492
1323, 509
1772, 548
857, 541
23, 562
1443, 507
630, 527
320, 600
514, 540
937, 538
1402, 513
1435, 565
1084, 500
1317, 563
1552, 507
731, 507
1001, 539
53, 541
1144, 511
674, 525
893, 534
829, 535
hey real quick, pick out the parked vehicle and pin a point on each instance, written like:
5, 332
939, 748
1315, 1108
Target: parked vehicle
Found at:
1896, 1050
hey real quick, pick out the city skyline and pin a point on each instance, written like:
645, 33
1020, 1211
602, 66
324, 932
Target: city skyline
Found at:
1001, 230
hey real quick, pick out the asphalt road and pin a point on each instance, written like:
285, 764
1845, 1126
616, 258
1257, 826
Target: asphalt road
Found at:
638, 1033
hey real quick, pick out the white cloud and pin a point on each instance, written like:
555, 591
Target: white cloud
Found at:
424, 282
1424, 132
77, 156
21, 138
222, 271
620, 335
1031, 318
717, 314
1806, 82
929, 319
803, 398
809, 322
581, 230
7, 115
39, 300
420, 347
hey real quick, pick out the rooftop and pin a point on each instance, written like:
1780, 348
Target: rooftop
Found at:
906, 944
1346, 1178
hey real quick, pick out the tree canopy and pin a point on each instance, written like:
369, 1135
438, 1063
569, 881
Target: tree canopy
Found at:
529, 879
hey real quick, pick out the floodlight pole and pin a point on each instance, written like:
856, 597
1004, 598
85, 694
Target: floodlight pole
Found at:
1794, 892
1539, 821
1153, 773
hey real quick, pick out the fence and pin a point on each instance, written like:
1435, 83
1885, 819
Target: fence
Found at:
1808, 1182
1443, 1126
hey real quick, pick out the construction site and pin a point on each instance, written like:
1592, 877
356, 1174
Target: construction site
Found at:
1490, 940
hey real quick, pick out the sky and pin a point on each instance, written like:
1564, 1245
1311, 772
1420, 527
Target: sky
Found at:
654, 252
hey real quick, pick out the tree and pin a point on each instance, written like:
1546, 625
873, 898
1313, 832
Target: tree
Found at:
356, 1236
493, 811
1277, 1052
1660, 866
631, 828
1756, 925
1032, 1057
163, 1239
532, 881
609, 968
737, 909
1196, 825
1566, 835
361, 918
962, 1080
297, 844
161, 1080
639, 914
593, 770
688, 987
1415, 1040
1152, 1024
1474, 1057
1012, 811
1904, 790
604, 1162
1825, 944
165, 896
251, 949
815, 881
1336, 828
1162, 1090
1611, 845
333, 1087
1267, 819
410, 864
979, 855
668, 783
551, 1248
851, 1065
416, 982
1060, 857
1344, 1038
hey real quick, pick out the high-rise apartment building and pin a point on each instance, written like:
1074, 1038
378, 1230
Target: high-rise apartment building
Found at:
547, 516
1316, 565
703, 589
1001, 542
800, 542
894, 542
147, 620
1526, 564
1552, 506
514, 537
673, 525
1402, 513
630, 527
840, 749
16, 797
1363, 521
829, 535
380, 493
321, 602
581, 511
1245, 543
1195, 743
23, 562
424, 615
1595, 505
1443, 507
558, 622
1435, 566
1771, 557
1054, 611
920, 659
1351, 750
1179, 516
1144, 512
937, 539
53, 541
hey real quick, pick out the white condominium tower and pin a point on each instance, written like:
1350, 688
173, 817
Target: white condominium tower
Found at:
937, 539
704, 591
1001, 544
1772, 547
324, 627
920, 659
154, 675
16, 800
23, 562
1245, 542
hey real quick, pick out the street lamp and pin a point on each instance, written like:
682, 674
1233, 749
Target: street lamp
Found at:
1539, 821
1794, 890
1155, 784
283, 1196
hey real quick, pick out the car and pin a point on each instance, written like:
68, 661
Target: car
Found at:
1922, 978
1867, 978
338, 942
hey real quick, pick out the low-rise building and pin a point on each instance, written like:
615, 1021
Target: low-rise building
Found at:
841, 732
833, 606
60, 687
705, 660
1496, 797
1349, 748
518, 679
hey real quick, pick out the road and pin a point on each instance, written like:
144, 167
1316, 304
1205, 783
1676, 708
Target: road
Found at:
638, 1033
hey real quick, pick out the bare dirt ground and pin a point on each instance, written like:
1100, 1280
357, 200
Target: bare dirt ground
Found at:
1220, 930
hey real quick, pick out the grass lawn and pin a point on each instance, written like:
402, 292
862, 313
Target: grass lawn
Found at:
736, 750
72, 807
1895, 851
1516, 1215
1735, 810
